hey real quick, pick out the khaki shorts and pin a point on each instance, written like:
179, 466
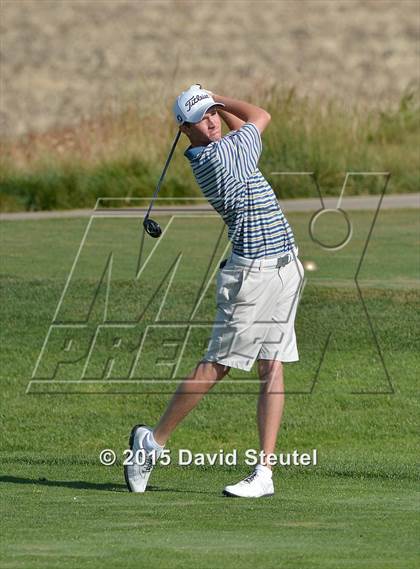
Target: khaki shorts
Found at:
257, 301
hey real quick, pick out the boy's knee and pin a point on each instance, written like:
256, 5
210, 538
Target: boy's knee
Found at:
215, 369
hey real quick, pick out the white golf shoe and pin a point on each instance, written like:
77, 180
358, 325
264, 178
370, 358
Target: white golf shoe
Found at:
256, 485
137, 473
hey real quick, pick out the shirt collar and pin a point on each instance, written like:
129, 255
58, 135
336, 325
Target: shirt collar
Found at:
193, 152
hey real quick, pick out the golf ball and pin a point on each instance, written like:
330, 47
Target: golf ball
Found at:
310, 266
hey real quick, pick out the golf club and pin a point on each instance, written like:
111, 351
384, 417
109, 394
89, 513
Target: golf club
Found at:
152, 227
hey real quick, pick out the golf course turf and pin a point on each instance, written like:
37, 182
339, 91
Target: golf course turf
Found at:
352, 397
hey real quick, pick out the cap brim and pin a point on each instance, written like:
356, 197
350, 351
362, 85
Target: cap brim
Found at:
206, 108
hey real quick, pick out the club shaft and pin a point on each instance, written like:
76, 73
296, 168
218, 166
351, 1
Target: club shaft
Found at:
175, 142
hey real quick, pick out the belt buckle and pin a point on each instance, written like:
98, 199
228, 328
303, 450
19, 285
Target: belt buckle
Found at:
283, 261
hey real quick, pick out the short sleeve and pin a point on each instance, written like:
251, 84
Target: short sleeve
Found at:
239, 151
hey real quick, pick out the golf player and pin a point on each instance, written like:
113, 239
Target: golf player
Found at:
257, 286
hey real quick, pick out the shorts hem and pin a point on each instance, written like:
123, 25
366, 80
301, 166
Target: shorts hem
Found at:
231, 363
286, 360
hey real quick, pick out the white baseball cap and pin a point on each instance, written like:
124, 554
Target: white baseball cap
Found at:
192, 105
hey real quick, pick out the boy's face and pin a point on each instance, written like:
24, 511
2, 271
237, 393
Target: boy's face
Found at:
209, 129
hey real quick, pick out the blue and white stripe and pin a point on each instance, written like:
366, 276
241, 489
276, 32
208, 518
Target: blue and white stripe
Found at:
227, 173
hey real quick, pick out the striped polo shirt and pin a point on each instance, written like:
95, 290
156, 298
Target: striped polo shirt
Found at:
227, 173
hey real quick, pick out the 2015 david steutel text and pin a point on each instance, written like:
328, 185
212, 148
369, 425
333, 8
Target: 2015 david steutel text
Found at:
185, 457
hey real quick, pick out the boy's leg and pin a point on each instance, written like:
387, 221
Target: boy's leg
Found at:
150, 442
188, 394
270, 410
270, 404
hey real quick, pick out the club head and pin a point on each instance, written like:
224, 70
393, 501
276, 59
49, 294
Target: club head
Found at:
152, 228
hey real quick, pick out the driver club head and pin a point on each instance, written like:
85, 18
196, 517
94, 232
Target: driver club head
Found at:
152, 228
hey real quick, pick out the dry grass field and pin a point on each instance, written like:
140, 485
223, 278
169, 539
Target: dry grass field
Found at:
63, 60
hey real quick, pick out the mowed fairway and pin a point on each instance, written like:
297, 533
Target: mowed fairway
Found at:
61, 508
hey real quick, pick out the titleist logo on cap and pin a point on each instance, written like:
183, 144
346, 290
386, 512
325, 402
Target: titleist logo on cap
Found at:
191, 102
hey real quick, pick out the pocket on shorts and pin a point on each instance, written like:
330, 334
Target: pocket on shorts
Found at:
229, 283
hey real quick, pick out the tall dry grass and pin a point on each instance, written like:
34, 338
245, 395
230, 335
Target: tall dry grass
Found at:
121, 155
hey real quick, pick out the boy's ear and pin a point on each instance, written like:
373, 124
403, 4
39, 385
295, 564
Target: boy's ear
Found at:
184, 128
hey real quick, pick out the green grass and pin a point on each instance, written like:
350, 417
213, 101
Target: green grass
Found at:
312, 522
356, 509
123, 155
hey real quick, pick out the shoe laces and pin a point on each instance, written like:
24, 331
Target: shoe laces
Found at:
148, 463
251, 477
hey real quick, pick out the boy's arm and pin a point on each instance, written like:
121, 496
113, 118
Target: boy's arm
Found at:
232, 122
245, 112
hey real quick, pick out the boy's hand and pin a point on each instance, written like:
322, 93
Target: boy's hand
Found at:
198, 86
